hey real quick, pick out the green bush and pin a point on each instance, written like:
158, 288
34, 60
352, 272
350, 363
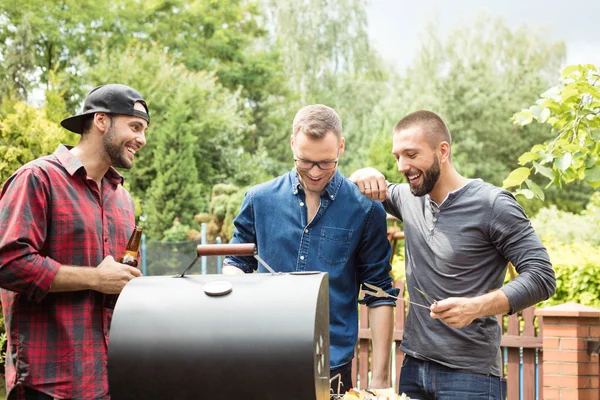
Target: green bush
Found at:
576, 267
561, 227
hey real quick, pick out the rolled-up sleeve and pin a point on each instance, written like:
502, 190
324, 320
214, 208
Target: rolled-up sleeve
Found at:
374, 257
23, 229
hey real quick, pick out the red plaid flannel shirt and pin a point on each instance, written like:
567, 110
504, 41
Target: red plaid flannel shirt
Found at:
51, 214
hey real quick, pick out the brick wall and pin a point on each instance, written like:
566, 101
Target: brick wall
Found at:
570, 371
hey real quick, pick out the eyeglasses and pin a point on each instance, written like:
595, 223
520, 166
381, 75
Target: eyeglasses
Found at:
322, 165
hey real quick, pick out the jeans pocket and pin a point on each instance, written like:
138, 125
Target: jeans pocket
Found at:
334, 245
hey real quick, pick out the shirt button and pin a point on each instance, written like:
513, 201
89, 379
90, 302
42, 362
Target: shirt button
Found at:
306, 231
302, 257
332, 197
301, 204
105, 240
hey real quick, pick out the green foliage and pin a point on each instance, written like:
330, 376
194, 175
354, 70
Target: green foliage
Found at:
202, 34
18, 62
573, 244
175, 192
576, 268
399, 264
26, 134
327, 59
224, 206
561, 227
226, 37
177, 232
572, 109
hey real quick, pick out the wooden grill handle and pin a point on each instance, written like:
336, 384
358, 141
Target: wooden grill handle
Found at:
241, 249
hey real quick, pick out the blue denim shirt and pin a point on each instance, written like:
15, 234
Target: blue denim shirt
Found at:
347, 238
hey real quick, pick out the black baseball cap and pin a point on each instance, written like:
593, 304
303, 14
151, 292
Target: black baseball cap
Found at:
113, 98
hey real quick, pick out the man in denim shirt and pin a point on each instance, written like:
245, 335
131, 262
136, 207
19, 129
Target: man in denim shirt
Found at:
313, 218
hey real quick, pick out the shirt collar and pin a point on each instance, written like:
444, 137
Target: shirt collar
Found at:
331, 189
72, 164
453, 194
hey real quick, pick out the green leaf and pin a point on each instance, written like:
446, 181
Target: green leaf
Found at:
528, 157
590, 162
523, 117
516, 177
544, 115
594, 185
551, 93
568, 70
537, 191
569, 92
525, 192
564, 161
536, 111
547, 172
593, 174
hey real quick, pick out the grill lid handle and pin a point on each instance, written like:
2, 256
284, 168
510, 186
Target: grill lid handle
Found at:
242, 249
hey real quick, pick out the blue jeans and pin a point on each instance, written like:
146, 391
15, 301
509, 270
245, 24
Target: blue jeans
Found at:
428, 380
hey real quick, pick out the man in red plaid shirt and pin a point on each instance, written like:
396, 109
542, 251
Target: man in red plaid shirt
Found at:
63, 218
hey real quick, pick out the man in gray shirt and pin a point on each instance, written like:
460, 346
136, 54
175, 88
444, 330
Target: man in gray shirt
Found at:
460, 235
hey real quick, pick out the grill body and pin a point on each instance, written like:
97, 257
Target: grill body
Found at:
268, 338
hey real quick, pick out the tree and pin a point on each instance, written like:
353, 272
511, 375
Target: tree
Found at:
327, 58
572, 109
223, 37
18, 63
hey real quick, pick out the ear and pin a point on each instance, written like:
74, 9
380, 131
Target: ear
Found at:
342, 146
292, 142
444, 151
101, 121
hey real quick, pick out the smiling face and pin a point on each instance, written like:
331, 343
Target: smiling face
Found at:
307, 148
124, 137
416, 159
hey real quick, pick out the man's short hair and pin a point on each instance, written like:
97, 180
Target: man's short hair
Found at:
316, 120
434, 126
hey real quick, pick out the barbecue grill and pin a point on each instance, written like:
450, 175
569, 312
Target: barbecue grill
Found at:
255, 336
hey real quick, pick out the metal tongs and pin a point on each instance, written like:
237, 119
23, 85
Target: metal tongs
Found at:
428, 297
379, 292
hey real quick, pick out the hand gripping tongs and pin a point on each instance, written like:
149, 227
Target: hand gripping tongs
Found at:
379, 292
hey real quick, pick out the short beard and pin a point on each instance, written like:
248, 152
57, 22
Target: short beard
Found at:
430, 178
113, 149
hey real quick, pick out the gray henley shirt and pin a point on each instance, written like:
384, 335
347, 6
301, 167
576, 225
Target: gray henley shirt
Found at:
461, 248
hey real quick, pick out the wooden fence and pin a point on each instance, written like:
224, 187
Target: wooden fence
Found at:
521, 350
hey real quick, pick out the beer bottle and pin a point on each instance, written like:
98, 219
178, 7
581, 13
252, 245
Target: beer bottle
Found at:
133, 246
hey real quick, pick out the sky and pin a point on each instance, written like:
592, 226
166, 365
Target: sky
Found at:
395, 26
